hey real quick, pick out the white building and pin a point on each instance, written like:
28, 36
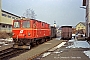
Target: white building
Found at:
6, 20
87, 17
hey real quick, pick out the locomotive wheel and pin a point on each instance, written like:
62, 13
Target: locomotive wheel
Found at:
37, 42
46, 40
50, 38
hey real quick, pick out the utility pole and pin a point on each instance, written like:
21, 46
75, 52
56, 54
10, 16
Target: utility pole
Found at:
0, 10
54, 23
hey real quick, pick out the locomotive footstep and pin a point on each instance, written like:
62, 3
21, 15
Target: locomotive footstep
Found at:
22, 47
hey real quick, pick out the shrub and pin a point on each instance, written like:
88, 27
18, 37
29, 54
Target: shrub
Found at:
4, 35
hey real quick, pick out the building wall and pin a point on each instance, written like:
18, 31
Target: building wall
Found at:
73, 30
7, 18
87, 18
80, 26
0, 14
7, 21
0, 10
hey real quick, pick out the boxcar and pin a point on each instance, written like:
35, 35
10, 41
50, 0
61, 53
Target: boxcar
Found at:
66, 32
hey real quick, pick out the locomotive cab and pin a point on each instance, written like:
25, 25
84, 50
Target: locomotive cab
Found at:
21, 31
20, 28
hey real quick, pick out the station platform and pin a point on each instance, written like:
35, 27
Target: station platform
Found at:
38, 50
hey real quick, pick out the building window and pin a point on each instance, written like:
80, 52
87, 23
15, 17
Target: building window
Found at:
13, 17
4, 15
16, 18
78, 27
10, 26
9, 16
3, 26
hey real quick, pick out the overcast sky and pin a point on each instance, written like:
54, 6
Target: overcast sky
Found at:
64, 12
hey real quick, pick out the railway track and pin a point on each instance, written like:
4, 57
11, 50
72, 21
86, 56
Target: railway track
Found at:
9, 53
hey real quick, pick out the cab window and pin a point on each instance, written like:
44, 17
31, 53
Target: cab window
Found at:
26, 24
17, 24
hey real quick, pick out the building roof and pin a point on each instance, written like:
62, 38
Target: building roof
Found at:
10, 13
81, 23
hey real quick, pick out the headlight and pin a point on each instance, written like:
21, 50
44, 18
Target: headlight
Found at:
29, 34
13, 33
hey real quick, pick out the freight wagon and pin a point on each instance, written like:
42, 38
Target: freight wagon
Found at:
66, 32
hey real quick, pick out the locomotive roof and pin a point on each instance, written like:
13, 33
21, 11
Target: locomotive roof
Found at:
66, 26
35, 20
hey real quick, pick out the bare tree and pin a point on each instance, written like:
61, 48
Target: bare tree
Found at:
29, 13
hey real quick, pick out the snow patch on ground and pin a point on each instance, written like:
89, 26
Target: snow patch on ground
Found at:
46, 54
6, 41
56, 52
58, 38
60, 45
87, 53
9, 40
78, 44
71, 40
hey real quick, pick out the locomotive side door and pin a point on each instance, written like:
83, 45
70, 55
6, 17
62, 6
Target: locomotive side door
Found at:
34, 29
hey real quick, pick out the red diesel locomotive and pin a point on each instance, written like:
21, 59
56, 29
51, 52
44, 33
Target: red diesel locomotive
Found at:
29, 32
